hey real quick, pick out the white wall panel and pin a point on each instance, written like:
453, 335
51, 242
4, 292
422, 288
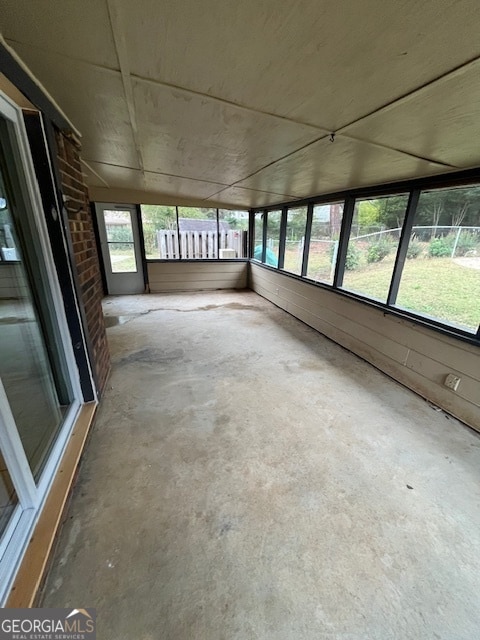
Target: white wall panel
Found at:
193, 276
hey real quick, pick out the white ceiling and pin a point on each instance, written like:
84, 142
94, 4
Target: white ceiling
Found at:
232, 102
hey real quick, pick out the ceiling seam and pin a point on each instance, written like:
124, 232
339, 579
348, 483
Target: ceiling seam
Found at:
339, 131
408, 153
272, 193
65, 56
230, 103
158, 173
121, 52
85, 163
175, 175
458, 70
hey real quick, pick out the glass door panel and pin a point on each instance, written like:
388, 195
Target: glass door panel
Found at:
121, 245
35, 387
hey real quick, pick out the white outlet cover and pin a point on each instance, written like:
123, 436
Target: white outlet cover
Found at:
452, 381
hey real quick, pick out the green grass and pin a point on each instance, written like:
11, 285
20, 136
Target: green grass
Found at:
123, 261
437, 287
372, 280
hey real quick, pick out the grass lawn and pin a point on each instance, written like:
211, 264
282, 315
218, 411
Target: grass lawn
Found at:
123, 261
436, 287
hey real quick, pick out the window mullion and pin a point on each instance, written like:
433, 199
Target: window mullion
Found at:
264, 236
178, 236
283, 235
403, 246
343, 240
306, 240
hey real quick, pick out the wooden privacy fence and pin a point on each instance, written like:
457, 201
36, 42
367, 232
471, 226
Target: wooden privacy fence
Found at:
200, 244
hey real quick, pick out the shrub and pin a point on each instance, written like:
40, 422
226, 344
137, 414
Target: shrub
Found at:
414, 250
378, 251
441, 247
353, 258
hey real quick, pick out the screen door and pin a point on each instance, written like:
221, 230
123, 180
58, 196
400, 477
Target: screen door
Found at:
120, 245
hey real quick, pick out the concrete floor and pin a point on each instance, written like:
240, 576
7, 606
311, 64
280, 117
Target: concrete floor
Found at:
246, 478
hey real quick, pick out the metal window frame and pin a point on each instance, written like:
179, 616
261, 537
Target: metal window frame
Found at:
306, 240
289, 207
346, 227
264, 236
403, 246
267, 213
349, 197
283, 237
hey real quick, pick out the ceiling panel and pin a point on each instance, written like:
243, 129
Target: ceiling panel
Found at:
441, 122
182, 187
330, 166
125, 178
196, 137
248, 197
324, 62
316, 61
93, 99
71, 28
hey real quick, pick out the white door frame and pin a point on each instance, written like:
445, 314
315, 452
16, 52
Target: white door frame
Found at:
127, 282
31, 496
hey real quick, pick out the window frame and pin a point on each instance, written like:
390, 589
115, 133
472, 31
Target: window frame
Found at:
349, 197
247, 250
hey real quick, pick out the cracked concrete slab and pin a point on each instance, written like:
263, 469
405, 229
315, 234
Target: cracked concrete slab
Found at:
248, 478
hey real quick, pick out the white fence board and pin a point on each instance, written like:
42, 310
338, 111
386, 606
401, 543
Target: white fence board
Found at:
199, 244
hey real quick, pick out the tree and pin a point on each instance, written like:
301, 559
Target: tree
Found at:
296, 223
449, 207
392, 211
159, 216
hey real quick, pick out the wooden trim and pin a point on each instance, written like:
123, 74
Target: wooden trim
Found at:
34, 562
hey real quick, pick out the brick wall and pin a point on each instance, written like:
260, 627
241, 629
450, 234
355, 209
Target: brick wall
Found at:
85, 253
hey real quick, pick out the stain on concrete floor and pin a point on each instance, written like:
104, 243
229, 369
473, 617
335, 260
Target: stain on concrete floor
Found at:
248, 483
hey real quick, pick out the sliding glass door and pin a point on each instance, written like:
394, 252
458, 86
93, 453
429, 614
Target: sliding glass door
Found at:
39, 388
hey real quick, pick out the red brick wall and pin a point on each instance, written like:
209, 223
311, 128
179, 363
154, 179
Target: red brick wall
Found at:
85, 253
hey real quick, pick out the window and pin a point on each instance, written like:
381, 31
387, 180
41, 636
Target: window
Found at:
197, 229
295, 239
441, 275
193, 233
233, 226
322, 254
273, 237
160, 232
372, 245
258, 236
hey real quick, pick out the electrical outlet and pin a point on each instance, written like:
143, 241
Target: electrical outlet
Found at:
452, 381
